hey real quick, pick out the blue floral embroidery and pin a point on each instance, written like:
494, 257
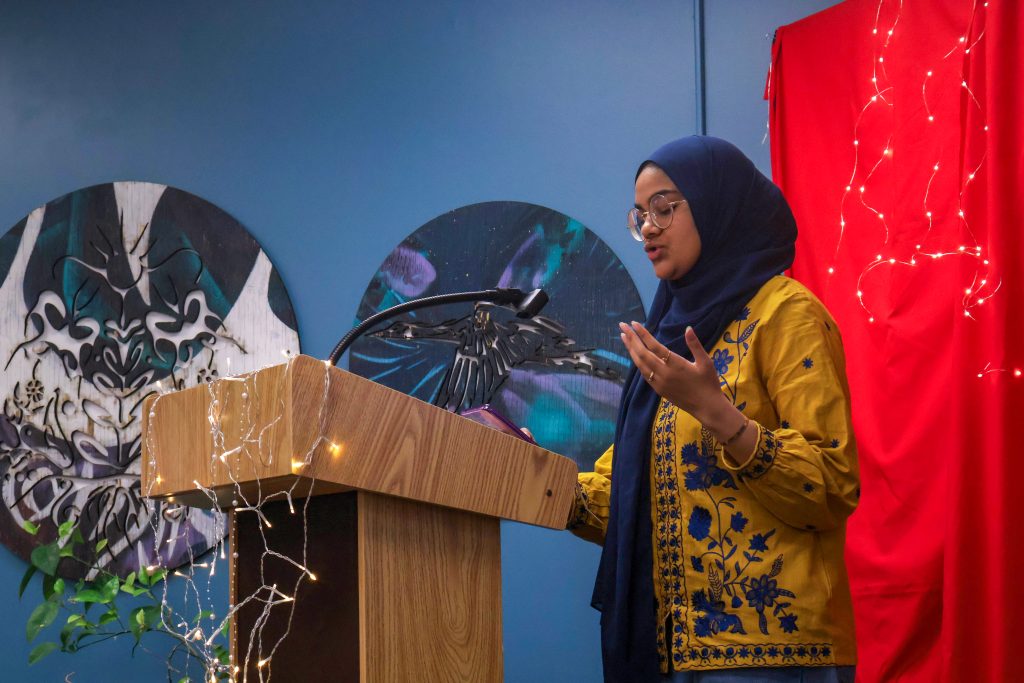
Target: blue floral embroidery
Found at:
668, 512
764, 456
835, 443
700, 523
808, 363
784, 424
756, 655
704, 472
722, 358
809, 488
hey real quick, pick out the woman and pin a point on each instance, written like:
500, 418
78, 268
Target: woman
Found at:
724, 499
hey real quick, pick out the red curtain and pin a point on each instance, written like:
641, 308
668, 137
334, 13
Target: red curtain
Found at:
897, 130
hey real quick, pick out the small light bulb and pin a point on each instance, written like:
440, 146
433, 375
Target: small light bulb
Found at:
1016, 373
892, 260
961, 213
962, 248
970, 176
875, 31
929, 214
984, 282
862, 188
981, 301
917, 246
262, 663
962, 39
881, 59
831, 270
979, 374
882, 216
985, 262
935, 167
967, 291
856, 142
874, 98
931, 118
929, 74
848, 188
860, 293
871, 319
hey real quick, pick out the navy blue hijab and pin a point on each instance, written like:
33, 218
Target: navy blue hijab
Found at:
747, 233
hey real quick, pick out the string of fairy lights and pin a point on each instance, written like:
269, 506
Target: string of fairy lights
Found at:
928, 246
196, 579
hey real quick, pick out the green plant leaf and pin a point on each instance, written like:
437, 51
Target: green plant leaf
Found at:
76, 620
137, 622
53, 588
65, 529
40, 651
107, 617
101, 545
41, 617
29, 573
46, 557
153, 615
109, 588
30, 527
89, 595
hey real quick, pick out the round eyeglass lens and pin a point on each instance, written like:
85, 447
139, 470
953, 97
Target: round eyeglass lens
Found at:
635, 221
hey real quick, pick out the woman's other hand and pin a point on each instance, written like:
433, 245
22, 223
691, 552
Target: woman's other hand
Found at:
693, 386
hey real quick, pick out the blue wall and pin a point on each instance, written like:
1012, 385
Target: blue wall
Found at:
331, 130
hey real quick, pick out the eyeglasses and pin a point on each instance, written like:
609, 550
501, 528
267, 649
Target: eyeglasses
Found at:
660, 215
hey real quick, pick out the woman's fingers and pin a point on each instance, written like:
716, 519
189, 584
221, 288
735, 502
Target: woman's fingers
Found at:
652, 344
643, 359
700, 356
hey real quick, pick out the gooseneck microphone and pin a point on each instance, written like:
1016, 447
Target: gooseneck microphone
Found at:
525, 304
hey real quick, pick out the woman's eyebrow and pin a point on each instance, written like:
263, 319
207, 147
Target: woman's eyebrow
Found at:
665, 191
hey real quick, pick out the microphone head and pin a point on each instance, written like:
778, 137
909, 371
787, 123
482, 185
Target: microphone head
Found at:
531, 303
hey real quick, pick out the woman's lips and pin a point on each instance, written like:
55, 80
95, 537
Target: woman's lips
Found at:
654, 252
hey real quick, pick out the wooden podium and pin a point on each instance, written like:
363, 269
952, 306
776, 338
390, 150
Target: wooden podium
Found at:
396, 571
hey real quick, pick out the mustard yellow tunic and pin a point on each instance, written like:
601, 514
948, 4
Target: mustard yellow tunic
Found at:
748, 561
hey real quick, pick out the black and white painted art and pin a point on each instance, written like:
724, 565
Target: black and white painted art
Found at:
107, 295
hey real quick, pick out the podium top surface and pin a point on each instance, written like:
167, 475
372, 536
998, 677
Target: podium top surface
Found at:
308, 427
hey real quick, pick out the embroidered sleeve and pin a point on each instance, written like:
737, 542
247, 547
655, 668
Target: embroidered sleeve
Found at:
805, 471
589, 517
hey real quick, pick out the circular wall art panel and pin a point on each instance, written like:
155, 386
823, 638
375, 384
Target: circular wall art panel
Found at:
560, 373
107, 295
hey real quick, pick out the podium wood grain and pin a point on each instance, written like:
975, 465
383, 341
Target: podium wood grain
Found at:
305, 420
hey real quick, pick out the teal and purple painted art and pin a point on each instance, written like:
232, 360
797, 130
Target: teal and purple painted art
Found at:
560, 374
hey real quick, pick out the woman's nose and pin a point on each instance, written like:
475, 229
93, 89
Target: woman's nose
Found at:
648, 229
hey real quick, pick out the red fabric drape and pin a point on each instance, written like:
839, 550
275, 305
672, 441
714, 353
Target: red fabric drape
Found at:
879, 111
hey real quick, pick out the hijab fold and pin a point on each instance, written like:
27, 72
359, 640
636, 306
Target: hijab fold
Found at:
747, 234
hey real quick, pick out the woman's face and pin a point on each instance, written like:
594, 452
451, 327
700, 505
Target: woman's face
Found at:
674, 249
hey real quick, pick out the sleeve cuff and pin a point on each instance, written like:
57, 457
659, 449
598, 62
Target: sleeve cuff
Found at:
761, 459
581, 509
